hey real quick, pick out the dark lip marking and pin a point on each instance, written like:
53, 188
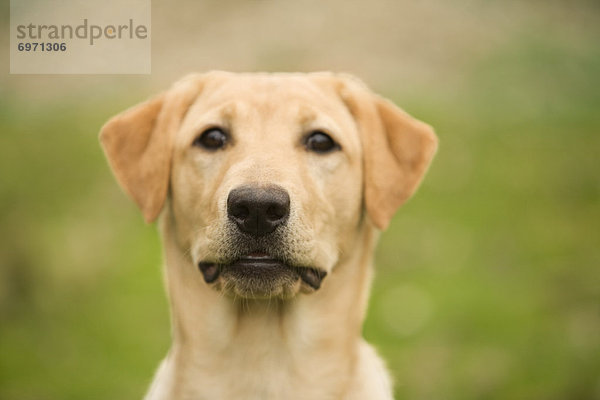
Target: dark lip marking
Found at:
312, 276
259, 265
210, 271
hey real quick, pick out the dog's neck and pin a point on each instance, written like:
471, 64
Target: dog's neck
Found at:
217, 338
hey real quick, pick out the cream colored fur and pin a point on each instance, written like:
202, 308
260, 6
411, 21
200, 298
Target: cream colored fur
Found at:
298, 343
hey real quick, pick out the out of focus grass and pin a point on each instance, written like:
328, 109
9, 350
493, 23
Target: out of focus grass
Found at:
83, 315
488, 282
494, 266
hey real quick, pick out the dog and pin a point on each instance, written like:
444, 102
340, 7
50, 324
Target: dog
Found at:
270, 190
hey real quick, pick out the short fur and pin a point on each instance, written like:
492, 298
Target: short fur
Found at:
296, 342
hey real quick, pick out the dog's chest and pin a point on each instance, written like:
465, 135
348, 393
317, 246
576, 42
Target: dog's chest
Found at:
259, 363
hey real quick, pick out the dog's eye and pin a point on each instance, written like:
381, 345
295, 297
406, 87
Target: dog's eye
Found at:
320, 142
211, 139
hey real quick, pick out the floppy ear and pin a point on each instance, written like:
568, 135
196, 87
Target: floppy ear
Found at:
397, 150
138, 145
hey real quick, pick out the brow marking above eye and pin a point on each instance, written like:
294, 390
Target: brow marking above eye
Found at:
306, 116
228, 112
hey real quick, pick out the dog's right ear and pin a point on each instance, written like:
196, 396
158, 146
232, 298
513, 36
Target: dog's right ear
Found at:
138, 144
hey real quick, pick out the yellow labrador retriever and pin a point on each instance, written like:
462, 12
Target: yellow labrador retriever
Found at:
270, 191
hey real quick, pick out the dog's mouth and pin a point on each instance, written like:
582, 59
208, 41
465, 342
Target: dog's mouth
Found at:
259, 275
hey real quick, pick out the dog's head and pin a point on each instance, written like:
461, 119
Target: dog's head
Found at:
266, 179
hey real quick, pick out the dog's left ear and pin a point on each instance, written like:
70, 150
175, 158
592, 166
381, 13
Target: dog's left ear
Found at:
397, 149
138, 144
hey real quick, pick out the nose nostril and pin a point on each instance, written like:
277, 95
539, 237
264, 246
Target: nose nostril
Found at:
275, 212
240, 212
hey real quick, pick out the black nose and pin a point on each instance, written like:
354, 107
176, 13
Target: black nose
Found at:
258, 210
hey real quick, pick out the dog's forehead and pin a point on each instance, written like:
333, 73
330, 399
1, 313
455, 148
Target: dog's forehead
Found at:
273, 91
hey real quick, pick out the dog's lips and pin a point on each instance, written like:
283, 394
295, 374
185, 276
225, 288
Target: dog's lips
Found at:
312, 276
210, 271
258, 265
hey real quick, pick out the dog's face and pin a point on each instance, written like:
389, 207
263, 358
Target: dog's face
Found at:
266, 184
265, 179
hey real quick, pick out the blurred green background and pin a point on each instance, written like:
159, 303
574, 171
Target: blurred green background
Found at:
488, 281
